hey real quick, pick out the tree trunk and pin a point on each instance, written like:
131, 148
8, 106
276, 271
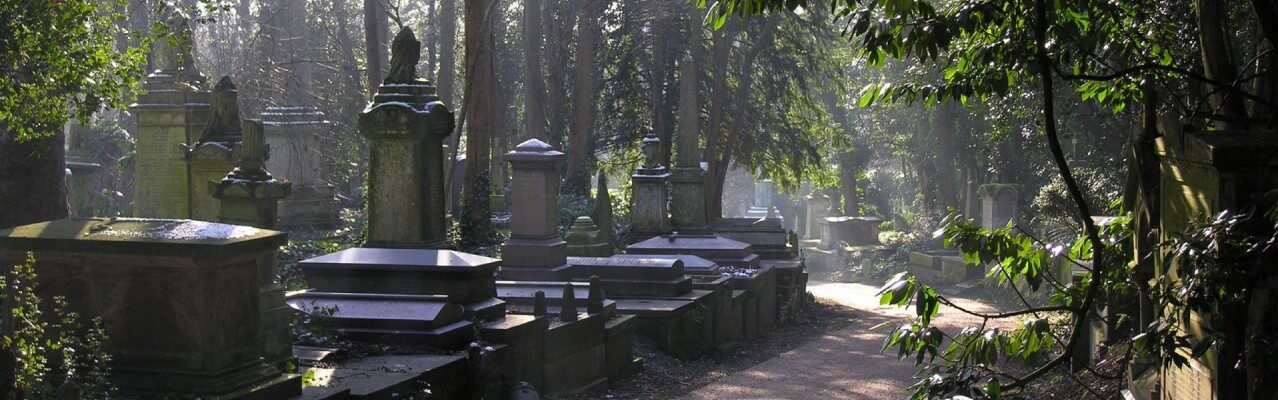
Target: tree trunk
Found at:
33, 181
583, 99
447, 77
848, 171
1218, 65
657, 82
945, 156
375, 32
558, 21
480, 115
721, 49
745, 87
534, 86
432, 38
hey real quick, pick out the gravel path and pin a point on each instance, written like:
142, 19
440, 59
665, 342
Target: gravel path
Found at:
845, 364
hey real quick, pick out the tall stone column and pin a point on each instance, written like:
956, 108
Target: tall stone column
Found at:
688, 179
999, 204
535, 251
405, 126
650, 213
249, 195
213, 156
172, 112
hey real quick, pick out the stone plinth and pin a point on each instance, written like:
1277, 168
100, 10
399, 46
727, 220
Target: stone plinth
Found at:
405, 320
294, 137
855, 231
766, 237
463, 278
650, 203
586, 240
999, 204
688, 200
172, 112
80, 187
631, 277
405, 126
249, 195
208, 163
183, 302
535, 251
818, 210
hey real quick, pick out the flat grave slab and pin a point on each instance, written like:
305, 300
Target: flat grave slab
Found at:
464, 278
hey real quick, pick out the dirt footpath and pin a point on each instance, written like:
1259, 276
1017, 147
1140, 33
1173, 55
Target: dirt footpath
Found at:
845, 364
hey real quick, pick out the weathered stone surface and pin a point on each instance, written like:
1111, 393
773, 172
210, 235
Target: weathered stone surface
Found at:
182, 301
586, 240
999, 204
818, 210
392, 377
576, 359
855, 231
721, 250
534, 243
173, 111
249, 195
406, 126
525, 335
650, 207
293, 135
408, 320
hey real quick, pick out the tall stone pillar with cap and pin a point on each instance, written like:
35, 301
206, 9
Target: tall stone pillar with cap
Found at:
213, 156
535, 251
172, 112
249, 195
405, 126
688, 180
650, 212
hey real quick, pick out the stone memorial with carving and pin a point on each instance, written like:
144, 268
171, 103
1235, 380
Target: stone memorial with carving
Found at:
688, 181
211, 157
649, 212
172, 112
586, 240
249, 195
405, 126
534, 251
999, 204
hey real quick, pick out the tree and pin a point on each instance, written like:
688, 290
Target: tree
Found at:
1103, 50
481, 120
580, 151
57, 61
376, 32
534, 85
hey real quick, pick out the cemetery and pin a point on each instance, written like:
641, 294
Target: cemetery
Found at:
580, 199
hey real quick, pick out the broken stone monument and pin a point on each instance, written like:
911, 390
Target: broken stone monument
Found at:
405, 126
649, 211
172, 112
586, 240
211, 157
249, 195
534, 251
999, 204
190, 308
688, 180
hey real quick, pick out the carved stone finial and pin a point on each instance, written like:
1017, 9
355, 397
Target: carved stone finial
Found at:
568, 311
539, 303
405, 52
595, 301
651, 148
252, 154
224, 114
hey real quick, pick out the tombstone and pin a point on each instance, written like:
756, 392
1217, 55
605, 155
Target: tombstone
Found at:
586, 240
688, 180
649, 211
211, 157
999, 204
172, 112
249, 195
293, 134
763, 199
603, 208
405, 125
190, 308
855, 231
83, 167
534, 251
818, 210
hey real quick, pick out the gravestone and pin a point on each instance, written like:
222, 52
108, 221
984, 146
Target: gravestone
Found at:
603, 208
83, 167
293, 134
405, 125
586, 240
189, 307
763, 199
999, 204
211, 157
249, 195
172, 112
855, 231
688, 180
649, 211
534, 251
818, 210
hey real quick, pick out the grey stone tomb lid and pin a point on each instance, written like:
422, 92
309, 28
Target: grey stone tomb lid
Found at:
691, 264
708, 246
140, 236
385, 311
392, 259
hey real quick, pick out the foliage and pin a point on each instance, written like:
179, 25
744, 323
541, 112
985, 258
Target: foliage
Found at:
58, 60
50, 353
479, 235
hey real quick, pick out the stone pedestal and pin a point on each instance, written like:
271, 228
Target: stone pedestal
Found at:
650, 211
183, 302
818, 210
999, 204
405, 126
208, 162
293, 134
172, 112
586, 240
855, 231
249, 195
80, 188
688, 201
535, 251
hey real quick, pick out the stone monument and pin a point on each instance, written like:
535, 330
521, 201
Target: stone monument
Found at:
534, 251
172, 112
83, 167
586, 240
603, 208
688, 180
405, 126
999, 204
650, 211
249, 195
818, 210
211, 157
763, 193
188, 306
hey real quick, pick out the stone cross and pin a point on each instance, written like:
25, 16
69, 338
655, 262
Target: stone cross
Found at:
534, 247
688, 213
406, 126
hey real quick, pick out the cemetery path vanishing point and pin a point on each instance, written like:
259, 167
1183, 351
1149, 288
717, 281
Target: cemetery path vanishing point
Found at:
845, 364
